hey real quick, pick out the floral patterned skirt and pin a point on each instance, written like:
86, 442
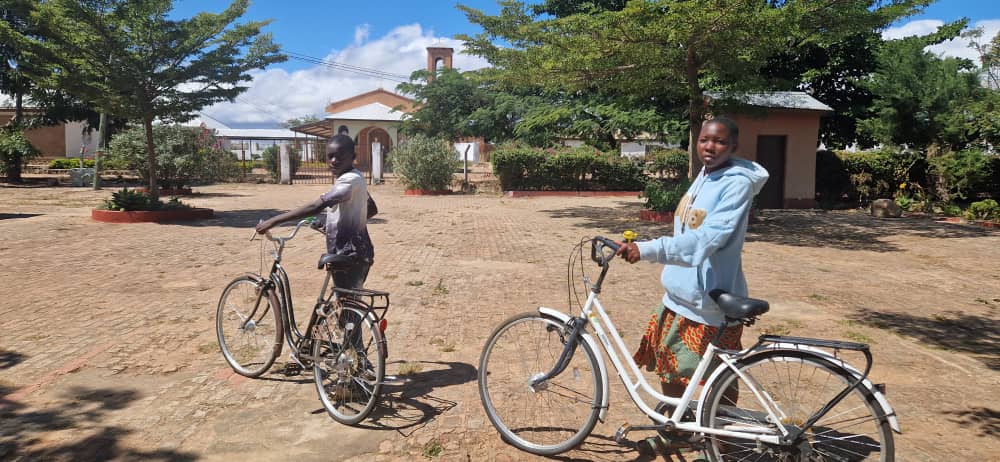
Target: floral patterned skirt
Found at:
673, 345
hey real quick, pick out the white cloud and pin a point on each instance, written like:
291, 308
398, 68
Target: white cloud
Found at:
957, 47
276, 95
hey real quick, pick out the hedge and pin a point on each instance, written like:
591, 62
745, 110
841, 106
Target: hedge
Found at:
567, 169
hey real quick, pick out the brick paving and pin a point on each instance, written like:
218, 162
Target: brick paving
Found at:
108, 346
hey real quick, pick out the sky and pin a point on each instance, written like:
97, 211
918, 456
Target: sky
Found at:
391, 35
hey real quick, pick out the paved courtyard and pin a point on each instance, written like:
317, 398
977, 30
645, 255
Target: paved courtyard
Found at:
108, 349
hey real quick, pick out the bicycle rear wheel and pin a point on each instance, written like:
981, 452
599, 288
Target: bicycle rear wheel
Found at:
551, 417
248, 325
800, 384
349, 364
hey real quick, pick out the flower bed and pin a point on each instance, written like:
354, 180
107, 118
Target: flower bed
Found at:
572, 193
655, 216
427, 192
146, 216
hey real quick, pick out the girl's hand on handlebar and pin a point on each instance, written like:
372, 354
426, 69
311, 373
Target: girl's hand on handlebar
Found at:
629, 251
263, 226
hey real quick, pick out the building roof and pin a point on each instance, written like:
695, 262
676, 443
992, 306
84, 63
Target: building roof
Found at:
776, 99
379, 95
256, 133
371, 111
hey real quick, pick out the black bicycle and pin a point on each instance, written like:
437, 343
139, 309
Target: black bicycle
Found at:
343, 342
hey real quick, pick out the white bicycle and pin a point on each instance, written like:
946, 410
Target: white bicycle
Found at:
782, 399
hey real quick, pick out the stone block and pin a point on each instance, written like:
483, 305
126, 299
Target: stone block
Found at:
885, 208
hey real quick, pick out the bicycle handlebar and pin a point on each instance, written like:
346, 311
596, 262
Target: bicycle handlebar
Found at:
597, 250
279, 240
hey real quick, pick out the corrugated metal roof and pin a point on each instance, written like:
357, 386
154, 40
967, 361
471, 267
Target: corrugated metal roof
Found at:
371, 111
776, 99
256, 133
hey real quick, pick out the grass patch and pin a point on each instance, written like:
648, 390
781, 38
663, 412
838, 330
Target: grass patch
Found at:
858, 337
409, 368
415, 283
442, 344
847, 323
440, 289
209, 348
433, 449
36, 337
823, 270
390, 277
817, 297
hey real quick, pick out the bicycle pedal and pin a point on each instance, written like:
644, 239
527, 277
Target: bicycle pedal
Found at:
621, 436
292, 369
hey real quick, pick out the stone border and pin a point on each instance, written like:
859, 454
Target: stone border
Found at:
427, 192
150, 216
170, 192
655, 216
572, 193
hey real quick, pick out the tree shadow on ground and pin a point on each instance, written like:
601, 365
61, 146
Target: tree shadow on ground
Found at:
952, 331
408, 407
24, 428
233, 219
985, 419
14, 216
849, 230
612, 221
9, 359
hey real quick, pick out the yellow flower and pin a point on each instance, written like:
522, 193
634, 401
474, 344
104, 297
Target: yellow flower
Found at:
902, 186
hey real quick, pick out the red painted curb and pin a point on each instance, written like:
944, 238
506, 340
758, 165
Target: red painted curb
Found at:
155, 216
572, 193
426, 192
658, 217
170, 192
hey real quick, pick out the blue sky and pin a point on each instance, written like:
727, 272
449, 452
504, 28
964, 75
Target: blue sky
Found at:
390, 35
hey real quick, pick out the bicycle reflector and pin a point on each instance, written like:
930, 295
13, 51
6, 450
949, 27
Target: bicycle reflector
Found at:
382, 325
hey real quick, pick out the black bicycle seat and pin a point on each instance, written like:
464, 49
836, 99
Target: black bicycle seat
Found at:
334, 262
736, 307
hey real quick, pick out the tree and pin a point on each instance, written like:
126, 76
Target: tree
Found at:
296, 121
921, 99
989, 56
667, 51
129, 59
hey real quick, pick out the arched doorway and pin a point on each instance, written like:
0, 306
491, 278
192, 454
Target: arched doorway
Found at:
366, 137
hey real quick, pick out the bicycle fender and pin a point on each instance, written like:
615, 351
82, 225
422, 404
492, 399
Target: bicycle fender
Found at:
880, 398
564, 318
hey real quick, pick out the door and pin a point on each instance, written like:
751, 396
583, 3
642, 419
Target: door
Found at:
771, 155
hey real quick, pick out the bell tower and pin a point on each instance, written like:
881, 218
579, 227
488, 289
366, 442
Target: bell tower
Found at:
438, 57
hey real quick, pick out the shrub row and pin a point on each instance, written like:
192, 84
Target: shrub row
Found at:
568, 169
942, 177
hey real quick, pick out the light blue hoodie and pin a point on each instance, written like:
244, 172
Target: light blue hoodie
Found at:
709, 228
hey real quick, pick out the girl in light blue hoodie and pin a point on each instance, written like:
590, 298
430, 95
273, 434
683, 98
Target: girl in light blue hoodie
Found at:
703, 254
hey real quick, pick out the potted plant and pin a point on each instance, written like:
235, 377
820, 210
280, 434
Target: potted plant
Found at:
425, 165
661, 199
132, 206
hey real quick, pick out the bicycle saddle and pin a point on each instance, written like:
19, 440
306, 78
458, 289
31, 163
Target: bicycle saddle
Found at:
736, 307
334, 262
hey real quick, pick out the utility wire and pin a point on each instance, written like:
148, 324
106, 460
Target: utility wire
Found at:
369, 72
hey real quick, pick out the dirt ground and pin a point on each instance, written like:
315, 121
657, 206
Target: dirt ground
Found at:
108, 349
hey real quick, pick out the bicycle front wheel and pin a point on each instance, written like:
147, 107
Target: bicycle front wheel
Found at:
248, 325
551, 417
348, 364
800, 384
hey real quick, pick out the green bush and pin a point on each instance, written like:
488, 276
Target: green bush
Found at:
425, 163
567, 169
68, 163
15, 151
270, 160
664, 196
962, 174
669, 163
128, 200
866, 175
184, 155
987, 210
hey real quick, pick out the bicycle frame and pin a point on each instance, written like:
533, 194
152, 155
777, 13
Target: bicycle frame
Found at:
595, 315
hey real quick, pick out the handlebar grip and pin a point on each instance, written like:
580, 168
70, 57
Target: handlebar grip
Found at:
597, 249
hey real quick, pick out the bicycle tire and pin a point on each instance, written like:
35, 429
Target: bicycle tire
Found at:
498, 389
349, 374
249, 348
800, 383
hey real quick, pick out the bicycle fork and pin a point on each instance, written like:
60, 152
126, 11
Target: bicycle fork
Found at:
577, 326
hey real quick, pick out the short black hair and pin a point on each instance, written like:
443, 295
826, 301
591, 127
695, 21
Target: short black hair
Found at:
343, 141
730, 124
